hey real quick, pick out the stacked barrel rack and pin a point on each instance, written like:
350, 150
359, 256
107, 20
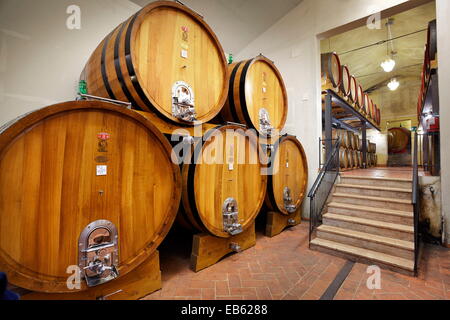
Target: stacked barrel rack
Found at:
428, 105
104, 184
347, 112
350, 153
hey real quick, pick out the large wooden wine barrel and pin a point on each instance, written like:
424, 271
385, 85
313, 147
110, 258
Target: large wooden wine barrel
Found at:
331, 71
224, 174
353, 90
257, 96
345, 86
76, 166
286, 187
164, 59
398, 140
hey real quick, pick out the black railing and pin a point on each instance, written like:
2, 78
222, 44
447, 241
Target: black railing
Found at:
416, 201
322, 187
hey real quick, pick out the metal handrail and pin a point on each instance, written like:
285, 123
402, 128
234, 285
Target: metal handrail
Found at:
416, 202
314, 187
324, 187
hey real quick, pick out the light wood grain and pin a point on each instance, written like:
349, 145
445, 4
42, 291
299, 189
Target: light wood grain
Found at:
290, 170
50, 191
208, 184
156, 36
263, 88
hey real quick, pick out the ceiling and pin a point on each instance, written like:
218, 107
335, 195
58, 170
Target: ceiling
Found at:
238, 22
365, 63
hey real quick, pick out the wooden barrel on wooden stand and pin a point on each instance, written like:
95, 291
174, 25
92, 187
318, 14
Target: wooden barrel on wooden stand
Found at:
85, 184
286, 186
257, 96
164, 59
224, 180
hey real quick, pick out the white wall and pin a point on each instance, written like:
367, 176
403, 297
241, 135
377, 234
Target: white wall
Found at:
40, 58
294, 46
443, 31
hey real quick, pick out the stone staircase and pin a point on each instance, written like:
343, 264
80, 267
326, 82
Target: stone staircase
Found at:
370, 220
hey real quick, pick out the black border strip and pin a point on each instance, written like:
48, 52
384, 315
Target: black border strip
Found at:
333, 288
231, 93
103, 67
130, 67
117, 66
242, 99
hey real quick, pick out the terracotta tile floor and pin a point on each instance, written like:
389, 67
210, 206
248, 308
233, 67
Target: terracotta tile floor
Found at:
283, 267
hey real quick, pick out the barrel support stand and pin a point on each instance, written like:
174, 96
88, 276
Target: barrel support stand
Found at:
208, 250
138, 283
276, 221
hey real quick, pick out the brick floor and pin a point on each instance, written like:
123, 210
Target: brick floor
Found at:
283, 267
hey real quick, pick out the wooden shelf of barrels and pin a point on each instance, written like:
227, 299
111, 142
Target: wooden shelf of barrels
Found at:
91, 188
428, 110
350, 123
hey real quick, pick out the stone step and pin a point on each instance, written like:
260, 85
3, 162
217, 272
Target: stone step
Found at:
381, 228
394, 247
377, 181
383, 260
372, 213
373, 191
377, 202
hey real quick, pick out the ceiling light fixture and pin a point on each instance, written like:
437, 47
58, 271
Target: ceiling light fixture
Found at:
393, 84
389, 64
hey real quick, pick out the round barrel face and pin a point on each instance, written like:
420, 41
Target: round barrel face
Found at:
345, 81
353, 89
175, 54
264, 89
360, 97
366, 103
335, 69
229, 168
290, 171
65, 166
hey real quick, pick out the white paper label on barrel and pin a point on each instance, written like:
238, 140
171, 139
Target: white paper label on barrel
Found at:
184, 54
230, 166
264, 89
287, 164
101, 170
